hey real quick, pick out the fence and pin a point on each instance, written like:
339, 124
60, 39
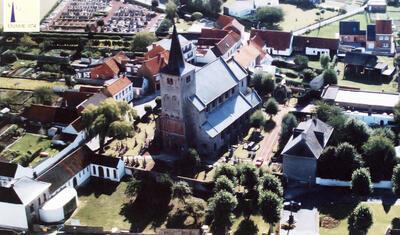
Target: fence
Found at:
340, 183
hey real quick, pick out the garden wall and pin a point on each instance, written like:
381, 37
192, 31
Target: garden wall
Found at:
340, 183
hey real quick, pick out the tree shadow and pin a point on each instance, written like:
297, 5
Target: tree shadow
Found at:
269, 125
98, 187
338, 211
246, 227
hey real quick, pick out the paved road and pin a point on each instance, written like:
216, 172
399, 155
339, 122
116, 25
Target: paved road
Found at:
269, 142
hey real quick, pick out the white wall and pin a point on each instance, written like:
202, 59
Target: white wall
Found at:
120, 172
340, 183
13, 216
315, 51
125, 94
286, 52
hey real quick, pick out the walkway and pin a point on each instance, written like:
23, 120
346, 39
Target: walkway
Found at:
329, 21
271, 140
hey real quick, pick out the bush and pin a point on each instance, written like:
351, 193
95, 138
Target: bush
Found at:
257, 119
291, 74
269, 15
396, 180
164, 26
197, 15
301, 61
330, 77
308, 74
396, 223
361, 184
154, 3
360, 219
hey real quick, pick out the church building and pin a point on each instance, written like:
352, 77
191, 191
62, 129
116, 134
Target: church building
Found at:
202, 107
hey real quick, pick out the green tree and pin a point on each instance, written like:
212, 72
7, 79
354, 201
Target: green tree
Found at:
327, 162
324, 61
330, 77
380, 157
263, 83
98, 120
289, 122
347, 160
271, 183
214, 6
247, 227
133, 187
308, 74
224, 184
301, 61
227, 170
360, 219
142, 40
361, 184
257, 119
396, 180
356, 132
249, 176
191, 161
181, 190
396, 112
170, 10
197, 15
270, 206
384, 132
164, 26
195, 208
220, 208
26, 41
44, 95
269, 15
271, 107
121, 130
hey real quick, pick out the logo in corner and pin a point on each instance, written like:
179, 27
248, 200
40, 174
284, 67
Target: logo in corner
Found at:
21, 15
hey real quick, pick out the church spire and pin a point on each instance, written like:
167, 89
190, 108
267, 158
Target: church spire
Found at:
176, 63
12, 20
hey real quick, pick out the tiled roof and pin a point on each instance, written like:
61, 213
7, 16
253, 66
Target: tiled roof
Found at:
301, 42
383, 27
107, 70
74, 98
278, 40
224, 20
309, 139
248, 54
49, 114
120, 57
226, 43
155, 64
209, 37
118, 85
153, 52
104, 160
229, 23
67, 168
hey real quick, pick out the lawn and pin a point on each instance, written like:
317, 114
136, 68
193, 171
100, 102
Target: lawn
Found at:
27, 84
32, 143
332, 30
294, 17
382, 217
364, 84
102, 207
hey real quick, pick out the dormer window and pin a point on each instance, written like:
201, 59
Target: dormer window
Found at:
187, 79
170, 81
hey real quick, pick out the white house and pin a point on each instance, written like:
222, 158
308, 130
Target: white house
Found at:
276, 42
241, 8
20, 201
188, 47
120, 89
10, 171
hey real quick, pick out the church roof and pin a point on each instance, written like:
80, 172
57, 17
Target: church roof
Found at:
176, 62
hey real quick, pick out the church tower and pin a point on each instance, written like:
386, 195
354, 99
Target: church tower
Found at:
177, 85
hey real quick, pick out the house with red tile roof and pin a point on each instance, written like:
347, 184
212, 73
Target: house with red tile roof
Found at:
214, 43
119, 89
230, 23
253, 54
315, 46
276, 42
154, 61
188, 47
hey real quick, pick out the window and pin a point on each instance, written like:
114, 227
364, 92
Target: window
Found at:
387, 38
381, 38
386, 45
39, 201
94, 170
170, 81
220, 99
187, 79
108, 173
207, 108
214, 103
242, 83
233, 90
44, 196
226, 95
115, 174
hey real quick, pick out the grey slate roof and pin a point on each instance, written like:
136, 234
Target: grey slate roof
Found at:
361, 59
23, 191
350, 28
176, 63
238, 70
309, 139
213, 80
371, 32
225, 115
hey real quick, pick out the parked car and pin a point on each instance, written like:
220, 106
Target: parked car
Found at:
259, 162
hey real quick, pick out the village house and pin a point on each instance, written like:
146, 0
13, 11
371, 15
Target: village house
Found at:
215, 43
377, 38
205, 107
315, 46
277, 42
225, 22
253, 54
10, 171
242, 8
366, 66
120, 89
188, 47
377, 6
301, 153
154, 60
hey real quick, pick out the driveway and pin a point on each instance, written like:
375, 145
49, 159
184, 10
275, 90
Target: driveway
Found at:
306, 222
271, 140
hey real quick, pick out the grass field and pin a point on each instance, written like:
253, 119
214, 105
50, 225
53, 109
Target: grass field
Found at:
381, 216
26, 84
295, 17
32, 143
332, 30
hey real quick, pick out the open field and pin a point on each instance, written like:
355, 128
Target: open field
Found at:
295, 17
382, 216
26, 84
332, 30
